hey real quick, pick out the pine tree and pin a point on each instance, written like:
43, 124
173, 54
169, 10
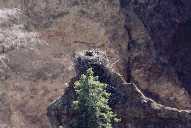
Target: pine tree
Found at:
92, 103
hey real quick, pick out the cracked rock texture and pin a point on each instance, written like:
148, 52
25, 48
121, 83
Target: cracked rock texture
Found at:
146, 41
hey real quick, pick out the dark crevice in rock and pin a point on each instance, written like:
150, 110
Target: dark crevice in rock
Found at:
179, 53
128, 60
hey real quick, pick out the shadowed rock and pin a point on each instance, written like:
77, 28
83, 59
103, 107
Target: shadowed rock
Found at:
135, 109
159, 48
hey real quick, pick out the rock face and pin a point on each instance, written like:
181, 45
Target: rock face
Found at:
141, 38
22, 70
135, 109
158, 48
36, 72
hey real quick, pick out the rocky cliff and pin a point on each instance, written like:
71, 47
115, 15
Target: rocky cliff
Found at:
146, 41
159, 48
132, 106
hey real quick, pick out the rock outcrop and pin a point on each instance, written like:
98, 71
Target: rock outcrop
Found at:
141, 38
135, 109
140, 33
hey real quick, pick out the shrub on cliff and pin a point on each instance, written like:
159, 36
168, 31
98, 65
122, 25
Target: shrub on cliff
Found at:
92, 103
